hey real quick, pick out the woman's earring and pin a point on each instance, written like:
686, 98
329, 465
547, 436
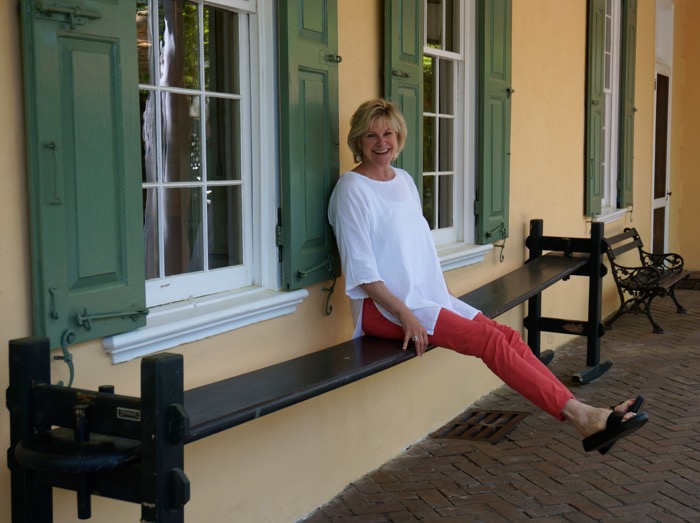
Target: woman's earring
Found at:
358, 158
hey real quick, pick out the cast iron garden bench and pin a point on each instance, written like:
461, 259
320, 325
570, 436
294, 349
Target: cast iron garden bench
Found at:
656, 275
132, 449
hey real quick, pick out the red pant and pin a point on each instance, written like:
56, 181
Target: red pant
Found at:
498, 346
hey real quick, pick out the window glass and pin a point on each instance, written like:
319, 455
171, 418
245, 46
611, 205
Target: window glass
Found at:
443, 62
611, 90
193, 98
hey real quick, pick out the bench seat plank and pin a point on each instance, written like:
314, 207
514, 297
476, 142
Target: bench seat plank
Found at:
230, 402
218, 406
512, 289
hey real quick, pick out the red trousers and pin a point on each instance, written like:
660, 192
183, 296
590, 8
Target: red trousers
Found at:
501, 348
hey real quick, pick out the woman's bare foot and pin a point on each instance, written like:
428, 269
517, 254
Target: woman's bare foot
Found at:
590, 420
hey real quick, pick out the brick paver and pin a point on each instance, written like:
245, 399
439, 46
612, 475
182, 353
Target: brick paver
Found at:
539, 472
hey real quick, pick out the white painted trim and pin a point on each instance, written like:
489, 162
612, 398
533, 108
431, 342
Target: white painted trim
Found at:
177, 323
609, 215
461, 254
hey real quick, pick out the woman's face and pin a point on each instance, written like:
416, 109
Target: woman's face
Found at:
379, 144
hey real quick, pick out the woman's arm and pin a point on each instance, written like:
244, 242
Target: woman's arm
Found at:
380, 294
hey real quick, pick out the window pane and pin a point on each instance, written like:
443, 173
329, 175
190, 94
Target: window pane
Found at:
183, 230
179, 44
447, 87
446, 184
442, 25
224, 217
180, 126
429, 140
446, 145
452, 18
429, 200
433, 16
428, 84
150, 232
223, 140
144, 42
221, 51
148, 141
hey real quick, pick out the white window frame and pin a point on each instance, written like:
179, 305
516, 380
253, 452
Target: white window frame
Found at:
611, 131
456, 245
202, 316
175, 288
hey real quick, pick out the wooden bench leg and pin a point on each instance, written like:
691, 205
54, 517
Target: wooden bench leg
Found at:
164, 486
30, 363
594, 326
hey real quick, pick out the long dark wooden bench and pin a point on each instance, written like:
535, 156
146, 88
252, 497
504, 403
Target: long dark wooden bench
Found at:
132, 449
639, 283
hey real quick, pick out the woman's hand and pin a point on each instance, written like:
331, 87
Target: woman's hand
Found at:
414, 331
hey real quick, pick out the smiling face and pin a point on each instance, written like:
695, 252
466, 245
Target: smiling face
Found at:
379, 144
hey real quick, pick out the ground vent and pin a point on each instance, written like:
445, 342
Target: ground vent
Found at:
489, 426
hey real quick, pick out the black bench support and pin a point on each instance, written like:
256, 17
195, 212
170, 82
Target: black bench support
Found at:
132, 449
32, 498
594, 270
125, 448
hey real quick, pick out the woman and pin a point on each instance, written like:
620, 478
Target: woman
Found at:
394, 279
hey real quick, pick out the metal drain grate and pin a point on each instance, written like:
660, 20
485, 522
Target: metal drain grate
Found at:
489, 426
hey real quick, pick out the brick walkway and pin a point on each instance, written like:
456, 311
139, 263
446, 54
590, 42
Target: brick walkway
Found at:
540, 472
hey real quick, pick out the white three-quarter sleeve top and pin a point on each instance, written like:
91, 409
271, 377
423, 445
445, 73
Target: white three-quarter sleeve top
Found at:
383, 236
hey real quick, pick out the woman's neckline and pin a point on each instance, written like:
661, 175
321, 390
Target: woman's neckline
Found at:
375, 179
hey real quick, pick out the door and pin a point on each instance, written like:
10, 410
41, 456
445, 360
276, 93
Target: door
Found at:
663, 82
661, 179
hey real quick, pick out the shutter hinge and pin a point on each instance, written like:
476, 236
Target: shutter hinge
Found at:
279, 234
476, 207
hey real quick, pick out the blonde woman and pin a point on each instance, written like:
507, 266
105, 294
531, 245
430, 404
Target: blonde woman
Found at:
393, 277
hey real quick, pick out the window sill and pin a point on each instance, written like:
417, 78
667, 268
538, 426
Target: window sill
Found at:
609, 215
458, 255
171, 325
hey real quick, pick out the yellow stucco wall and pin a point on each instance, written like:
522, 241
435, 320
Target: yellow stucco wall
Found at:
284, 465
685, 153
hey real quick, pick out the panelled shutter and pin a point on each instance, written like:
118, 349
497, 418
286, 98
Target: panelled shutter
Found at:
403, 77
595, 106
627, 109
493, 131
310, 165
83, 156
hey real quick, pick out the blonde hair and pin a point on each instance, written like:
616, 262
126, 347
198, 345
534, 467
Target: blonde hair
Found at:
366, 114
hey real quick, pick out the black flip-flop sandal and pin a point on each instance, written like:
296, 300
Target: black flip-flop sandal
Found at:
635, 407
616, 428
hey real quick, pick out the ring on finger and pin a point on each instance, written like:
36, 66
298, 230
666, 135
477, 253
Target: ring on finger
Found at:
415, 338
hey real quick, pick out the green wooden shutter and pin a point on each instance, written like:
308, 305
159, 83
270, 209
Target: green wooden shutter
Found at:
403, 76
595, 107
627, 110
83, 154
494, 107
308, 78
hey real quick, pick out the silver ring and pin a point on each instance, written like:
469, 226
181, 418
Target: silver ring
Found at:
415, 338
